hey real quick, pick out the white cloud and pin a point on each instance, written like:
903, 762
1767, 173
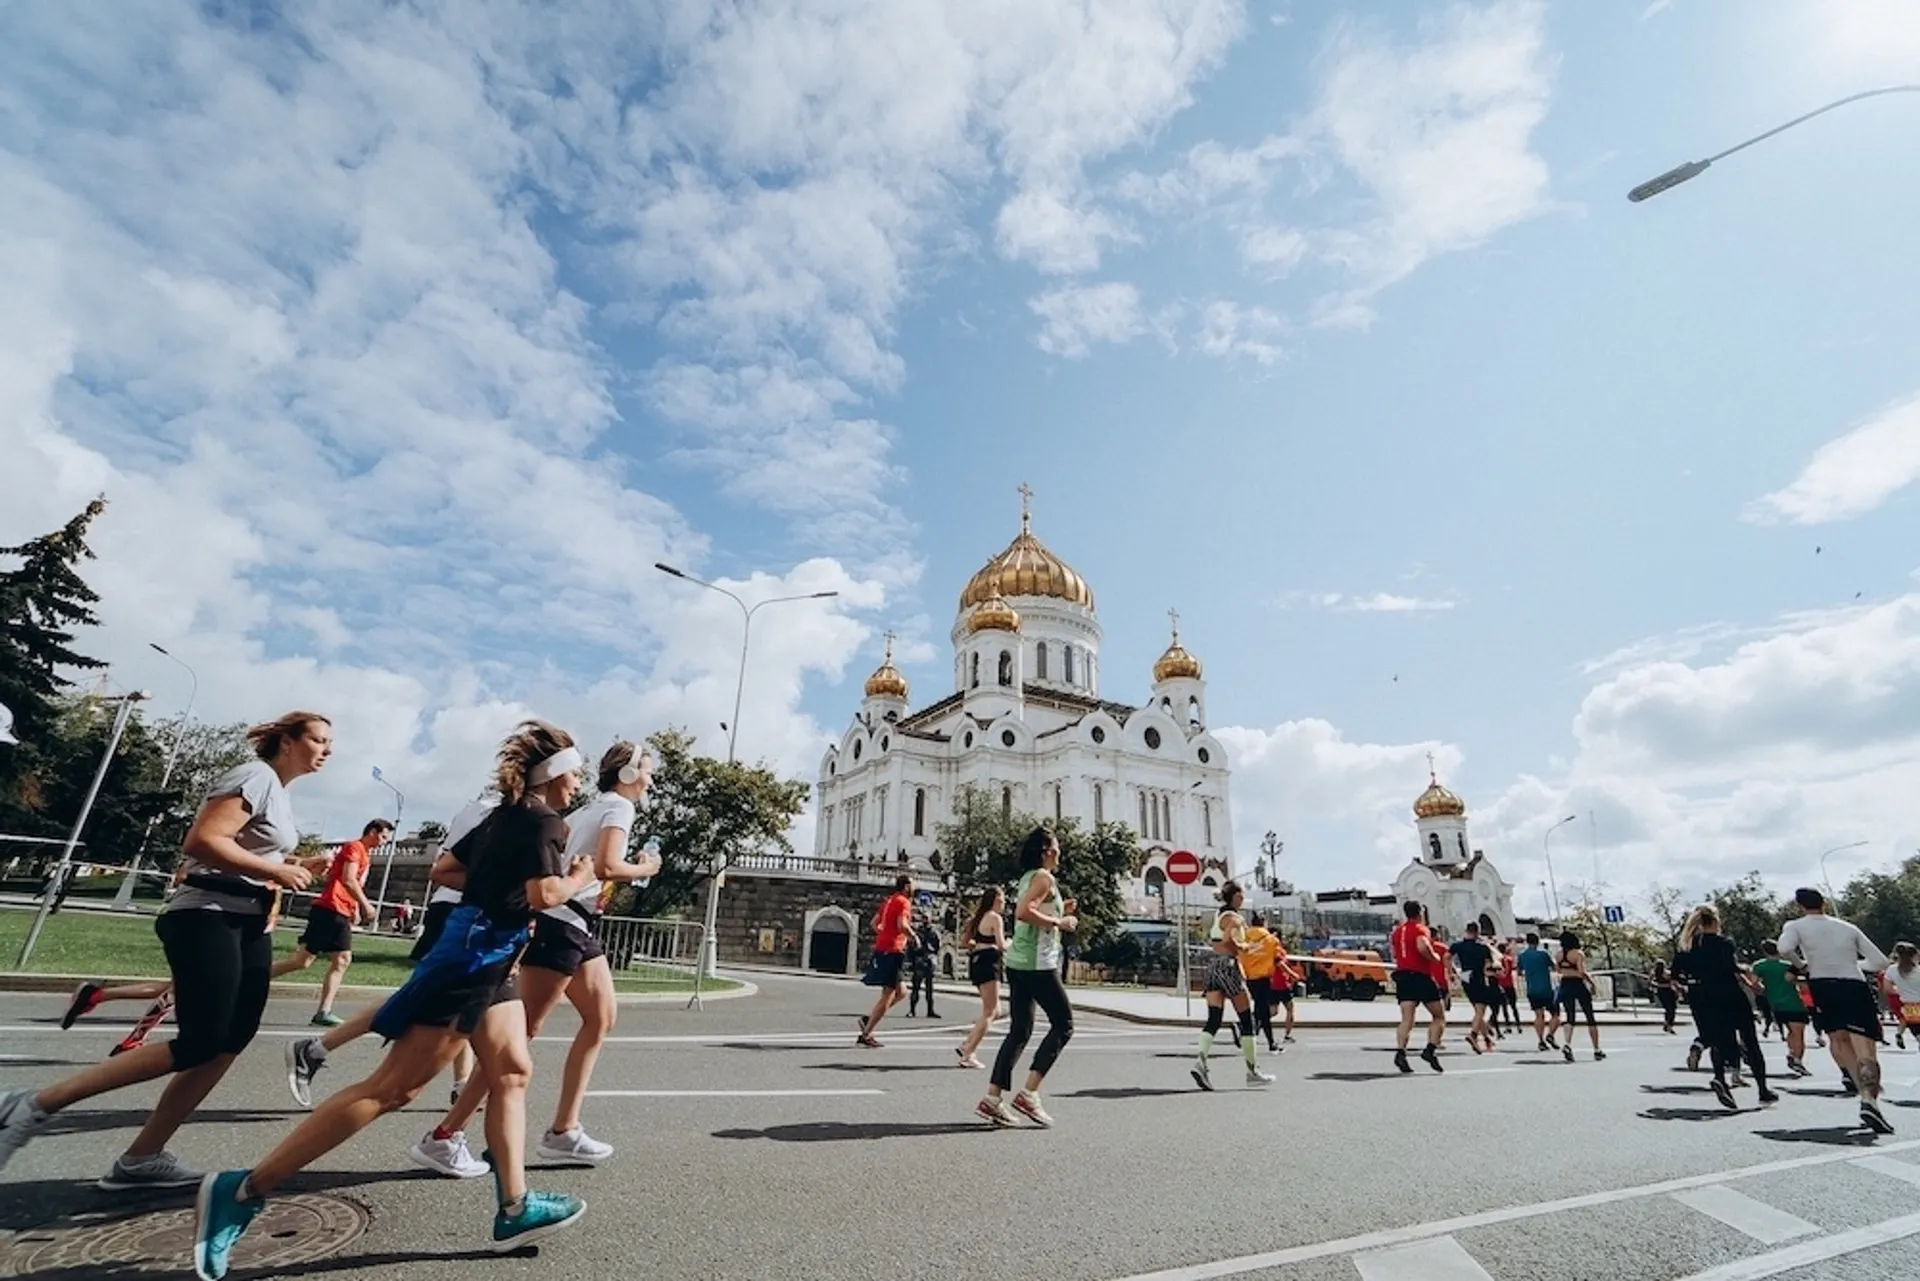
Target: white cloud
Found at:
1369, 603
1075, 317
1231, 329
1853, 474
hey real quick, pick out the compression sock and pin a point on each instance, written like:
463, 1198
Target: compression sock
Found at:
1206, 1045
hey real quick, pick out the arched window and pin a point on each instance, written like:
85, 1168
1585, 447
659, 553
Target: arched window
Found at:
1156, 883
1143, 817
1166, 705
1066, 652
1166, 817
1006, 802
1006, 669
1206, 819
1040, 661
919, 811
1462, 838
1058, 803
1099, 805
974, 678
1193, 713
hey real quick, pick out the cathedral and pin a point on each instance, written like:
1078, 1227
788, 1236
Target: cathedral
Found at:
1455, 885
1026, 725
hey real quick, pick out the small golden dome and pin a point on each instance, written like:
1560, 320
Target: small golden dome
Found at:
1026, 568
1176, 663
993, 614
1438, 802
886, 681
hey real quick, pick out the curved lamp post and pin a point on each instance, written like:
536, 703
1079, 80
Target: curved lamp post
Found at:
1546, 844
124, 897
1694, 168
1851, 845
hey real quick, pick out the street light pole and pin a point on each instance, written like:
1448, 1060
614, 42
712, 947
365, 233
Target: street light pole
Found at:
1694, 168
79, 824
1852, 845
710, 948
1546, 844
399, 812
124, 897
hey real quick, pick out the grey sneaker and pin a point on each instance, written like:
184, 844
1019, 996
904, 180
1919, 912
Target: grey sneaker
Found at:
575, 1147
141, 1174
19, 1119
450, 1157
301, 1066
1256, 1077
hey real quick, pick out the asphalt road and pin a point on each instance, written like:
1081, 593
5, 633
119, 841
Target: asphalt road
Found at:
756, 1141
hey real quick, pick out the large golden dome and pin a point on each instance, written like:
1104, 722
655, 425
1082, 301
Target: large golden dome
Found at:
1438, 802
1176, 663
886, 681
1026, 568
993, 614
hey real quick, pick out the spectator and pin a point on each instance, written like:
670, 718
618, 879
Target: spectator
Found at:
923, 954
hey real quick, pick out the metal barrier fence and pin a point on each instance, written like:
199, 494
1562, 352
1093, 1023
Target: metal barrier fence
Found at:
654, 952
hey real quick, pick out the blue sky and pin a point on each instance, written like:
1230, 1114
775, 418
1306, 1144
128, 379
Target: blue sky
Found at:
405, 340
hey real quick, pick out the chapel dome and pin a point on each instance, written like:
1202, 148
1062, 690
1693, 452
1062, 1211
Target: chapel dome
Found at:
1177, 663
993, 614
1026, 568
886, 681
1438, 802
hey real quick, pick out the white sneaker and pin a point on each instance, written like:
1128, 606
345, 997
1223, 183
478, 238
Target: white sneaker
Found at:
450, 1157
575, 1147
142, 1173
1256, 1077
19, 1119
1027, 1104
995, 1111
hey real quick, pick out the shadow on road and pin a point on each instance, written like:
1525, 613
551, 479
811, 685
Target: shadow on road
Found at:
855, 1131
1351, 1077
1838, 1136
763, 1045
878, 1067
19, 1062
83, 1121
1835, 1093
1674, 1089
1686, 1114
1127, 1092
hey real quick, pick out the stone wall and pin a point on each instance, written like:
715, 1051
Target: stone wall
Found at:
752, 904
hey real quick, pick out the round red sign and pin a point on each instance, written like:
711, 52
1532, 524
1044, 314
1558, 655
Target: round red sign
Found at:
1183, 867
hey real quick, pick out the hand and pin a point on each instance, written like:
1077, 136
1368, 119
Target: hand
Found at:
580, 869
1069, 922
1070, 906
290, 876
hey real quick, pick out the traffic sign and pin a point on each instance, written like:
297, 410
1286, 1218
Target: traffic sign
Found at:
1615, 914
1183, 867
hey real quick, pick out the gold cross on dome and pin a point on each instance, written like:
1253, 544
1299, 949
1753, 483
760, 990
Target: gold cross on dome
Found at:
890, 635
1432, 772
1174, 616
1026, 504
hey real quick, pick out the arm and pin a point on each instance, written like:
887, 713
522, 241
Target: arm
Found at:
448, 871
544, 892
1029, 911
610, 858
1870, 955
211, 841
350, 878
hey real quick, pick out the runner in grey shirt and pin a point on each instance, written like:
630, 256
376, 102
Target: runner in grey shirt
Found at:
1845, 1007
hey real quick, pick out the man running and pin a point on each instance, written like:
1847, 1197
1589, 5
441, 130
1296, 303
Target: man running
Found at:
1414, 961
1471, 958
1781, 992
889, 957
1845, 1007
1506, 1000
1536, 968
334, 913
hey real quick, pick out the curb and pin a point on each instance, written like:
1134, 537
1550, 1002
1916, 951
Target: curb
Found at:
63, 984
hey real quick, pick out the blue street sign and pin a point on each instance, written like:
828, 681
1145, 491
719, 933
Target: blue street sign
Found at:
1616, 915
924, 898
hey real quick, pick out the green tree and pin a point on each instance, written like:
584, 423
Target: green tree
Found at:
703, 810
1750, 913
1885, 906
1666, 914
206, 752
1092, 863
980, 847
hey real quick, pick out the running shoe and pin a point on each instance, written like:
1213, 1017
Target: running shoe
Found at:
1400, 1061
863, 1025
219, 1219
1202, 1077
1567, 1052
575, 1147
1027, 1104
450, 1157
1738, 1082
1288, 1038
1873, 1118
1553, 1041
866, 1041
1768, 1098
1599, 1056
1693, 1058
1473, 1043
327, 1018
301, 1066
1256, 1077
144, 1173
1431, 1056
541, 1213
1724, 1092
995, 1111
1543, 1046
86, 998
967, 1060
19, 1118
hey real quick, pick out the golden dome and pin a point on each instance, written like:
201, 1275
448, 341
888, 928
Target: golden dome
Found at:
1026, 568
886, 681
1438, 802
1176, 663
993, 614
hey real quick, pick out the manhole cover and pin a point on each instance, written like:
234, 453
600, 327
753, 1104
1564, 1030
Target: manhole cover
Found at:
292, 1229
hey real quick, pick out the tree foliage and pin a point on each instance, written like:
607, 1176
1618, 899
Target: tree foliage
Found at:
1750, 913
1886, 906
980, 847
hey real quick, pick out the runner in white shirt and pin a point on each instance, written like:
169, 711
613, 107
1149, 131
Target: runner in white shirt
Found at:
1845, 1005
565, 958
1903, 981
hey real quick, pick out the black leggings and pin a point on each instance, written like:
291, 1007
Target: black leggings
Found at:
1726, 1025
1261, 990
1027, 988
1574, 997
222, 965
1670, 1003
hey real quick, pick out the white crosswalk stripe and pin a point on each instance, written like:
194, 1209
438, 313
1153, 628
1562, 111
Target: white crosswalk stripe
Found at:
1743, 1213
1439, 1259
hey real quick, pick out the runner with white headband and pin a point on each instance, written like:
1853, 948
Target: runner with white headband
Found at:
512, 866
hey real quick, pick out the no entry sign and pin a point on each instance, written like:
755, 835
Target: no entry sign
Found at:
1183, 867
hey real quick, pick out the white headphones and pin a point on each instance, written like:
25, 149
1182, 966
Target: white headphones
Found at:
630, 772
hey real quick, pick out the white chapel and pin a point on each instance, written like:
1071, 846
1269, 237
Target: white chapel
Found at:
1026, 723
1453, 880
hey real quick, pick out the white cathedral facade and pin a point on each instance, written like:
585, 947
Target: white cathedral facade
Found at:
1454, 881
1026, 724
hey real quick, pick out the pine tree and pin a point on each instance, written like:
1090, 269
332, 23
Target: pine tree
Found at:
42, 601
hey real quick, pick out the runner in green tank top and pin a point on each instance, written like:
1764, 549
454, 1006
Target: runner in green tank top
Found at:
1033, 978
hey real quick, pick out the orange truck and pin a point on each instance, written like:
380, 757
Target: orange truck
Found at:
1346, 974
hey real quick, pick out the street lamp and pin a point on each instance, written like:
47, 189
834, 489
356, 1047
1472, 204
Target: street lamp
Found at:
1852, 845
399, 809
710, 950
124, 897
1694, 168
1546, 843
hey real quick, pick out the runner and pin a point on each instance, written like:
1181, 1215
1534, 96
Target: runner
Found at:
1782, 994
1256, 966
512, 866
334, 913
1228, 938
1834, 953
1471, 959
1576, 993
217, 949
986, 943
89, 997
1903, 980
1414, 960
564, 958
1285, 979
1721, 1003
1666, 989
1894, 1015
1536, 968
1033, 975
1506, 1004
886, 970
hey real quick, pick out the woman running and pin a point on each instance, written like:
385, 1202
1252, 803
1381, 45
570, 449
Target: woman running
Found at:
986, 943
217, 947
1576, 993
1722, 993
1666, 990
1228, 938
512, 866
1033, 977
564, 958
1257, 965
1903, 981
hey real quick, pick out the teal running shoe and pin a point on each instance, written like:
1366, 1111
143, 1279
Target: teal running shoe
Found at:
541, 1214
219, 1219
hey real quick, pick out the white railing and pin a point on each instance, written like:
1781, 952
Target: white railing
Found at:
654, 951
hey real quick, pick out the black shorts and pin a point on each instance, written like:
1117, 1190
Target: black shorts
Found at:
983, 966
327, 932
885, 968
1790, 1016
430, 928
1415, 987
560, 946
462, 1003
1481, 994
222, 966
1844, 1005
1283, 995
1540, 1000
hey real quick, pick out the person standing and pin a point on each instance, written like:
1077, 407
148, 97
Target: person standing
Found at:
1040, 915
1536, 970
1414, 960
923, 954
1844, 1006
986, 943
218, 951
336, 910
1780, 989
1228, 939
1471, 958
1576, 994
1722, 1003
886, 970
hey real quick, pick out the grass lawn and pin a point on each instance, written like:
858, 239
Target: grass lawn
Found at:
124, 946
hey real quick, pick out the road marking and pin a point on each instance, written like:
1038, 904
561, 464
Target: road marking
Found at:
729, 1094
1892, 1169
1441, 1259
1774, 1262
1488, 1218
1742, 1213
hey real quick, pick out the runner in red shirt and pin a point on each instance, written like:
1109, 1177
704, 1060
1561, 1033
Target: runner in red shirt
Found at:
1509, 1003
340, 905
886, 970
1416, 963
